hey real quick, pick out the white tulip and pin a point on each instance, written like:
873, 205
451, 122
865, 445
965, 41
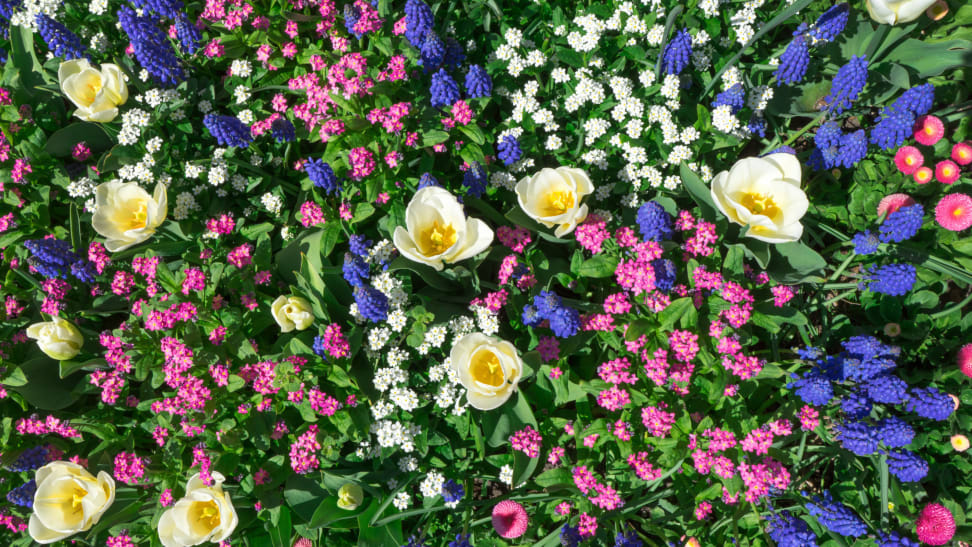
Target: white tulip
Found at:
57, 338
97, 94
488, 367
893, 12
553, 197
291, 312
437, 231
764, 194
68, 500
125, 214
204, 514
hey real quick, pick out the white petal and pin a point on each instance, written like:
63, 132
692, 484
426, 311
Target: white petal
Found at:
478, 236
789, 167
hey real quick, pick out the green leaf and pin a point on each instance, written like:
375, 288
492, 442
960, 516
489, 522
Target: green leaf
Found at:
598, 266
45, 388
75, 222
931, 58
303, 495
800, 261
434, 136
280, 533
62, 142
66, 368
699, 192
554, 477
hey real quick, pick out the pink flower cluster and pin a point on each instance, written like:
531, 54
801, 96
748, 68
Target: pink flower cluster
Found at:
391, 117
657, 421
636, 273
49, 425
527, 440
592, 233
515, 238
604, 496
129, 468
335, 344
303, 453
642, 467
362, 162
311, 214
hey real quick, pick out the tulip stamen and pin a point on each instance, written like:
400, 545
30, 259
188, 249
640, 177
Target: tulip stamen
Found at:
438, 239
208, 514
559, 203
77, 499
139, 217
486, 368
759, 204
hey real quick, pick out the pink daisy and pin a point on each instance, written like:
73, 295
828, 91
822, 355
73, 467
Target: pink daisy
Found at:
908, 159
947, 172
929, 130
893, 202
936, 526
954, 212
964, 358
510, 519
962, 153
923, 175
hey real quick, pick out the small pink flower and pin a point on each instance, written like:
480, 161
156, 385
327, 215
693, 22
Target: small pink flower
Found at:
954, 212
510, 519
936, 526
962, 153
908, 159
892, 203
947, 172
923, 175
929, 130
964, 359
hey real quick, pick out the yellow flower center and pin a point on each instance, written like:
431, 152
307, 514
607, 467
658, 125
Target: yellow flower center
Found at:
558, 203
139, 216
207, 514
77, 498
93, 86
486, 369
438, 239
957, 212
759, 204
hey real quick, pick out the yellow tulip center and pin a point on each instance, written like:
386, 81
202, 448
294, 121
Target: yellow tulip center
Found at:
207, 514
139, 216
759, 204
438, 239
91, 89
558, 203
77, 498
486, 369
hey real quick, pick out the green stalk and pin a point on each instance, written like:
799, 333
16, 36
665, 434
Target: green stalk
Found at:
806, 128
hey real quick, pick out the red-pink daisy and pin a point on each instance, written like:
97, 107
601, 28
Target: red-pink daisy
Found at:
929, 130
954, 212
923, 175
510, 519
964, 359
893, 202
303, 542
962, 153
908, 159
936, 526
947, 172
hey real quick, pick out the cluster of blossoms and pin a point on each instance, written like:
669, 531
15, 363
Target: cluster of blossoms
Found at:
861, 382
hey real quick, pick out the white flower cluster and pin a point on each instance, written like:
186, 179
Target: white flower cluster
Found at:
272, 203
30, 9
132, 123
393, 434
744, 19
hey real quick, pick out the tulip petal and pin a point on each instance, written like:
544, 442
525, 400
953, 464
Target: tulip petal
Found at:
42, 534
478, 236
407, 247
788, 165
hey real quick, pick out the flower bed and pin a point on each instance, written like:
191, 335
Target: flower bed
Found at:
303, 272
